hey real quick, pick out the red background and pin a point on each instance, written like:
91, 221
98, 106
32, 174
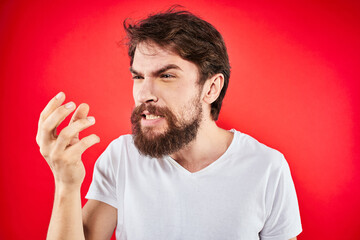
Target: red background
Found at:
294, 87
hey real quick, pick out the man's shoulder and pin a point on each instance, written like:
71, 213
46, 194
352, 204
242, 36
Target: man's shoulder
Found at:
250, 148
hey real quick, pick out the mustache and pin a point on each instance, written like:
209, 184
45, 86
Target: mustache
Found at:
137, 112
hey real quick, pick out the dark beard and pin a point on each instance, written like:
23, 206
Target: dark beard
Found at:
176, 137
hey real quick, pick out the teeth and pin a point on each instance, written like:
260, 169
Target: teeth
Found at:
152, 117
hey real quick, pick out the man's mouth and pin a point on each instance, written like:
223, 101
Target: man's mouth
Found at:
150, 116
151, 120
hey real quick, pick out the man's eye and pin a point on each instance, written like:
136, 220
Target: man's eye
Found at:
167, 75
137, 77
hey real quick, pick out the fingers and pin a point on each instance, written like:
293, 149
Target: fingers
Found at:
68, 133
81, 112
84, 144
48, 127
52, 116
54, 103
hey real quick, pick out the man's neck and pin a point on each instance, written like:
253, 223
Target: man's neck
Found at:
211, 142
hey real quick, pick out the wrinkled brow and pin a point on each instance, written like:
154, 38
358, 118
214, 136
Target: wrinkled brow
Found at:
157, 72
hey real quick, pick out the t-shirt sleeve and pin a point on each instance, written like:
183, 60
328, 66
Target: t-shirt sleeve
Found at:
103, 185
283, 220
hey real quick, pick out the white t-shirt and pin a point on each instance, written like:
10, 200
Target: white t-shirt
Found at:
246, 194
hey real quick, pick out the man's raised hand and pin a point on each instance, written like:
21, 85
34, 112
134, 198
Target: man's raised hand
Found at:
63, 152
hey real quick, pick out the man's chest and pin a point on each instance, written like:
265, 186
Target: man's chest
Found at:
193, 208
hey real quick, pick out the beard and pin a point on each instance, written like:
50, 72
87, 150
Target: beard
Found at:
178, 135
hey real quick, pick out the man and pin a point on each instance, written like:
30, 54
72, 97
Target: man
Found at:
178, 176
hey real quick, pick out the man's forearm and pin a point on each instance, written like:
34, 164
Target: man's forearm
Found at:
66, 219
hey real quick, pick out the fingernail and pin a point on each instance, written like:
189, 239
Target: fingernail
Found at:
69, 105
59, 95
91, 119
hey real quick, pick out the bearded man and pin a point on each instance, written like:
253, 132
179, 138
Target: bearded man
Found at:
178, 176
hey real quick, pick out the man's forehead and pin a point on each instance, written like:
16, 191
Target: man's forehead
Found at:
153, 57
150, 48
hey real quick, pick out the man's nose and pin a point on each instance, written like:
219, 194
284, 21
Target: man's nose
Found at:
146, 92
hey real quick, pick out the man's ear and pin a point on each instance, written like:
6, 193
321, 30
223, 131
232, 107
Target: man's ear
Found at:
212, 88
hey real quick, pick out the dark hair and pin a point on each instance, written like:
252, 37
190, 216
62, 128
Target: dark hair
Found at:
189, 36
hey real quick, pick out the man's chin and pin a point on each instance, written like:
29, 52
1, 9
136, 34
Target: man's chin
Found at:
153, 132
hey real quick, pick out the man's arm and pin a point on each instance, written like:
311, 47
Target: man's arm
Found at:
99, 220
66, 219
63, 154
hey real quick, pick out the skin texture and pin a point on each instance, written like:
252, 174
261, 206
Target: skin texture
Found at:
154, 83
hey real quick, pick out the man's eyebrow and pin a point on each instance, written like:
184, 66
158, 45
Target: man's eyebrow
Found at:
159, 71
165, 68
133, 71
